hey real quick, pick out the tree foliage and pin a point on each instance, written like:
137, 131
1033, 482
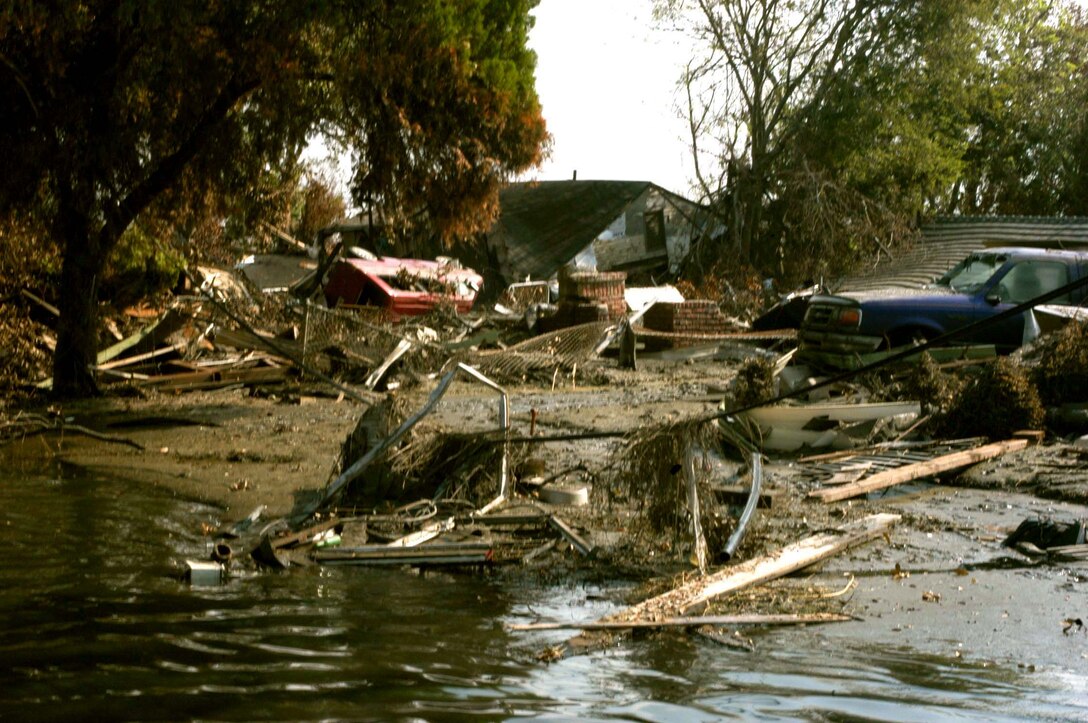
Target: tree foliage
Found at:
823, 130
113, 109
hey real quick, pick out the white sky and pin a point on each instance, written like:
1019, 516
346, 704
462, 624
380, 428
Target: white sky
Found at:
607, 82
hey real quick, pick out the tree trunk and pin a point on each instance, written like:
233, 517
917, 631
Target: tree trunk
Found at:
77, 327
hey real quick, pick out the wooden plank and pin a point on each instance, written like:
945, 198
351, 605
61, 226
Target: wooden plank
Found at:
213, 379
570, 535
166, 325
303, 536
696, 593
402, 348
684, 622
239, 339
40, 302
918, 470
538, 519
426, 533
436, 554
129, 360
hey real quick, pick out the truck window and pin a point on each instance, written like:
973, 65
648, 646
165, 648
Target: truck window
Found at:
971, 274
1028, 279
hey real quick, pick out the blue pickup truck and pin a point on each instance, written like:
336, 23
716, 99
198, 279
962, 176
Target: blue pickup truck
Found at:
984, 284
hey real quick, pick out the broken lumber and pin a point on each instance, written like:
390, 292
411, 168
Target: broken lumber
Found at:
427, 533
699, 540
402, 348
568, 533
684, 622
252, 341
471, 553
54, 311
799, 555
166, 325
918, 470
138, 358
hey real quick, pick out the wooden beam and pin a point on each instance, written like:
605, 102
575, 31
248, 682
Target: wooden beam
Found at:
695, 594
130, 360
684, 622
434, 554
576, 540
918, 470
166, 325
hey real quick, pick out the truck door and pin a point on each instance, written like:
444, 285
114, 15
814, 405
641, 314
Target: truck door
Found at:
1022, 281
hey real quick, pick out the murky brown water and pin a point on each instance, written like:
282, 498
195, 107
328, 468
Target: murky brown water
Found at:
94, 628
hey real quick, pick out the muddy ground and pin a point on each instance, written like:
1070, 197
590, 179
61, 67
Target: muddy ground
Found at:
940, 583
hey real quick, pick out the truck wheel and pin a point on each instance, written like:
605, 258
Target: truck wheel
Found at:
904, 337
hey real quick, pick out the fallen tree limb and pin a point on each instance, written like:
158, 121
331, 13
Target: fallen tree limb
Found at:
918, 470
684, 622
22, 429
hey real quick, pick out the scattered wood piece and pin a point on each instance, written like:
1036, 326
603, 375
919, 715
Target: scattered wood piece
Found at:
40, 302
402, 348
536, 519
685, 622
576, 540
849, 474
470, 553
696, 593
1034, 436
147, 356
285, 237
693, 505
216, 379
166, 325
938, 465
1068, 553
251, 340
302, 536
428, 532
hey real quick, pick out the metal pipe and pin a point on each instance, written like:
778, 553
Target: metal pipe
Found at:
749, 508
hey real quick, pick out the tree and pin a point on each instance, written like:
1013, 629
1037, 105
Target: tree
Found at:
108, 107
763, 60
824, 130
1026, 129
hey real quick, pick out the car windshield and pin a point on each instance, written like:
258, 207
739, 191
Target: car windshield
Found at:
969, 275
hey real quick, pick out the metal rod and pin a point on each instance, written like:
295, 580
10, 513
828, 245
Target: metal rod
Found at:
749, 508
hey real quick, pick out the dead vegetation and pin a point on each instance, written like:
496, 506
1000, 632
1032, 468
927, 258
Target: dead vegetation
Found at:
998, 401
1061, 371
754, 382
649, 472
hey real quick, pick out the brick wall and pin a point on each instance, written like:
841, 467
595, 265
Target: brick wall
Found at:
688, 317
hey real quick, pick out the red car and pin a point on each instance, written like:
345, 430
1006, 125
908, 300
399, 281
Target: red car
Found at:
404, 287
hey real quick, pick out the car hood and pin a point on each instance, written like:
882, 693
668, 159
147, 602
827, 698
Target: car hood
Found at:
930, 292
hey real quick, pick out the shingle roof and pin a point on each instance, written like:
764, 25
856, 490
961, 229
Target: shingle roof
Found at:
948, 239
544, 224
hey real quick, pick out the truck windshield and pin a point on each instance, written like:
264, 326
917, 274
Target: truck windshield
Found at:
971, 274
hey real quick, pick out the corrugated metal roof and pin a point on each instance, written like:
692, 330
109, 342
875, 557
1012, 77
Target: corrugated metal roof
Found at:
544, 224
948, 239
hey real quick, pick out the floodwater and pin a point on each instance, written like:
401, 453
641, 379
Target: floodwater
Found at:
96, 628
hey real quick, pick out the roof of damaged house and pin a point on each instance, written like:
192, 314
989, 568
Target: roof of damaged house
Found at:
544, 224
947, 240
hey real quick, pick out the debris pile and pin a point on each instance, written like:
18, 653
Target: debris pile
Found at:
751, 478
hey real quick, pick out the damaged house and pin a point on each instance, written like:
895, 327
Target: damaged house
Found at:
636, 227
